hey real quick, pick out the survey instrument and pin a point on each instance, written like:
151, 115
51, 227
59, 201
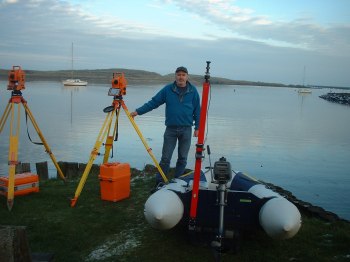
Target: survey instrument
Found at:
16, 83
118, 89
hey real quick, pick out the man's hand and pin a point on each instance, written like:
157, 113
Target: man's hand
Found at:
195, 133
133, 114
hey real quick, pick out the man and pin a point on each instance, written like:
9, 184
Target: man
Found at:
182, 111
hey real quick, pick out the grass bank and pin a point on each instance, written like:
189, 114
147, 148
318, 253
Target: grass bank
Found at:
98, 230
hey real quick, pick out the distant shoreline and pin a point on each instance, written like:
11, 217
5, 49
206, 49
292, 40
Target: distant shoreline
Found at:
103, 76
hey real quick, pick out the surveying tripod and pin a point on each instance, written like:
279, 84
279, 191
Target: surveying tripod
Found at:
117, 91
16, 84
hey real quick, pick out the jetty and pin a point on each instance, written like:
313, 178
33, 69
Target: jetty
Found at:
340, 98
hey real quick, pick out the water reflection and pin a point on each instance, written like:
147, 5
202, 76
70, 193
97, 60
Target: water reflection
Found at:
72, 90
302, 97
298, 142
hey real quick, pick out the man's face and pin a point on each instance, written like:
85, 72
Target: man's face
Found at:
181, 79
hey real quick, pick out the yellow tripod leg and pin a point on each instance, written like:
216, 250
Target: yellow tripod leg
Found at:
5, 116
13, 157
12, 169
109, 139
149, 150
43, 140
102, 134
82, 181
108, 147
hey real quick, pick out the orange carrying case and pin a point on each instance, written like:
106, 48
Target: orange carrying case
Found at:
25, 183
114, 181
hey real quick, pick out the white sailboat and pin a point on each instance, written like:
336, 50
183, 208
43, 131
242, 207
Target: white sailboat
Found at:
74, 81
304, 90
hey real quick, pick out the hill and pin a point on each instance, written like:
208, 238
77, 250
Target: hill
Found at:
102, 76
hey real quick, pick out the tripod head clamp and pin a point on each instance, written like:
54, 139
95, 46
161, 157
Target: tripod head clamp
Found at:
16, 79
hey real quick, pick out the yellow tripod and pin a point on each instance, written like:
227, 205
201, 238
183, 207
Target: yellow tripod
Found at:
118, 83
104, 133
15, 101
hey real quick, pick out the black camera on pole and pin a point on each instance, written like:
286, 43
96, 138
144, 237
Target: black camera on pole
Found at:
222, 171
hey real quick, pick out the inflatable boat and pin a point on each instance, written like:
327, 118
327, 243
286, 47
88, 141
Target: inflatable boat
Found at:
238, 202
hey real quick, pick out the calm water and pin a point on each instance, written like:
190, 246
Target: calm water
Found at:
298, 142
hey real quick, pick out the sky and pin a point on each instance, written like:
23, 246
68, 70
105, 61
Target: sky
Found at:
278, 41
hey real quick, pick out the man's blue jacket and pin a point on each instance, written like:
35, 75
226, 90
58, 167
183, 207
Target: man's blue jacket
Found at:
181, 108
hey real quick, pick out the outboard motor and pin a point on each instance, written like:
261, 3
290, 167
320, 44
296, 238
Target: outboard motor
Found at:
222, 171
222, 175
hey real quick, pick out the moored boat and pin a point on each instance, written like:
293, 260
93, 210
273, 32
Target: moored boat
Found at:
304, 91
249, 205
74, 82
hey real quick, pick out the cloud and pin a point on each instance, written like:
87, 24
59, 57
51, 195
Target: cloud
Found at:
38, 35
4, 2
246, 24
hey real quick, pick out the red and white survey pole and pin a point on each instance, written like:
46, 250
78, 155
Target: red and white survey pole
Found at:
200, 147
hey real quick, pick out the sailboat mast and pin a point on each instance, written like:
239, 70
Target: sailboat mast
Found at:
72, 62
72, 81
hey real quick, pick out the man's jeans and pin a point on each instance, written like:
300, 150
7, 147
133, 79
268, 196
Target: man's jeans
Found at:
183, 134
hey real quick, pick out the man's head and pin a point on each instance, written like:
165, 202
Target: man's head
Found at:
181, 76
181, 69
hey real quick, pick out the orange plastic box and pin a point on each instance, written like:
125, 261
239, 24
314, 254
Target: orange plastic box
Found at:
114, 181
25, 183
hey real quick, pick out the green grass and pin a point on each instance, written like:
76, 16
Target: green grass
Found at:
97, 230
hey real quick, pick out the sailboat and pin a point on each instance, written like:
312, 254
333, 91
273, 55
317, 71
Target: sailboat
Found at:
304, 90
74, 81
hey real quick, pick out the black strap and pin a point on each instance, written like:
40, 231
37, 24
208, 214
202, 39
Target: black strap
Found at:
116, 134
36, 143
